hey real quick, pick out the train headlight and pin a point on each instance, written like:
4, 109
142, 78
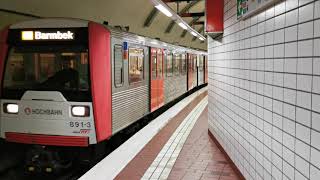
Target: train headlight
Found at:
80, 111
11, 108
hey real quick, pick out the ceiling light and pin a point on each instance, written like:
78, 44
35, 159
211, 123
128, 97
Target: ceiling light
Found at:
183, 25
193, 33
163, 10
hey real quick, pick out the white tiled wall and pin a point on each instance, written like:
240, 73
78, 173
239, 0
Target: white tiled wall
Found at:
264, 90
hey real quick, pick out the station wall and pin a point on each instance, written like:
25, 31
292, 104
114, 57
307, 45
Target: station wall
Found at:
264, 90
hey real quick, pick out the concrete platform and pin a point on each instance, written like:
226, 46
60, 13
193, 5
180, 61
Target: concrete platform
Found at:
180, 149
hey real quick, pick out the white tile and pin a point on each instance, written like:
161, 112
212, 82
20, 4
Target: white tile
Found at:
291, 49
302, 166
314, 172
269, 25
291, 4
278, 50
316, 27
288, 170
289, 112
277, 120
315, 137
302, 2
304, 82
270, 12
261, 28
268, 52
316, 84
316, 102
280, 8
269, 38
316, 47
279, 36
289, 140
290, 80
316, 121
305, 30
254, 20
288, 155
315, 157
303, 133
262, 16
279, 21
305, 48
276, 173
299, 176
317, 9
290, 65
289, 96
260, 52
291, 33
278, 79
304, 99
288, 125
302, 149
305, 65
303, 116
306, 13
292, 17
316, 66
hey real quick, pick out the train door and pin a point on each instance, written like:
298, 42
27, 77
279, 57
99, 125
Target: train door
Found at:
157, 80
195, 70
190, 71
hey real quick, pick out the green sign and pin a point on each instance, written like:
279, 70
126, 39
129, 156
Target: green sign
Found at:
246, 8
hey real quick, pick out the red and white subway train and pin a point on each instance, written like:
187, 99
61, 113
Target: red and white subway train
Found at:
75, 83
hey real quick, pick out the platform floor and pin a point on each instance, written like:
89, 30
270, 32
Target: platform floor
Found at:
189, 153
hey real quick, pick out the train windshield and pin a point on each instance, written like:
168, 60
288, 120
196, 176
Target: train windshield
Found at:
41, 69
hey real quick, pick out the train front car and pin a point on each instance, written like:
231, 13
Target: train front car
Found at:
56, 87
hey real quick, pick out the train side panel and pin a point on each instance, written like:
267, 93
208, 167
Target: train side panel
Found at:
130, 101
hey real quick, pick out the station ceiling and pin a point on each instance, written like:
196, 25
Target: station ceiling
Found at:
140, 15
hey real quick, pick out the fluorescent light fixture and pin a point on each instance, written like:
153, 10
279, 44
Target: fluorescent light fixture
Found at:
154, 42
183, 25
163, 10
201, 38
193, 33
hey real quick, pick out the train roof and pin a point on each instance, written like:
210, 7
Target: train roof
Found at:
115, 32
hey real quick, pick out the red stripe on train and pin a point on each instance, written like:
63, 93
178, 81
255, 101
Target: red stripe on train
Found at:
47, 139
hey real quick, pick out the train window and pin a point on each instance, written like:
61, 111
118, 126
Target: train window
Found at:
154, 64
136, 59
201, 63
183, 64
169, 64
118, 66
159, 63
176, 64
47, 70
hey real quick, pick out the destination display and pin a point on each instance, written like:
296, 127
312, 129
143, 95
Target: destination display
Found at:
38, 35
48, 36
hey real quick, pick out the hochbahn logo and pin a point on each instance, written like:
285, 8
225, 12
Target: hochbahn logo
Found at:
29, 111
